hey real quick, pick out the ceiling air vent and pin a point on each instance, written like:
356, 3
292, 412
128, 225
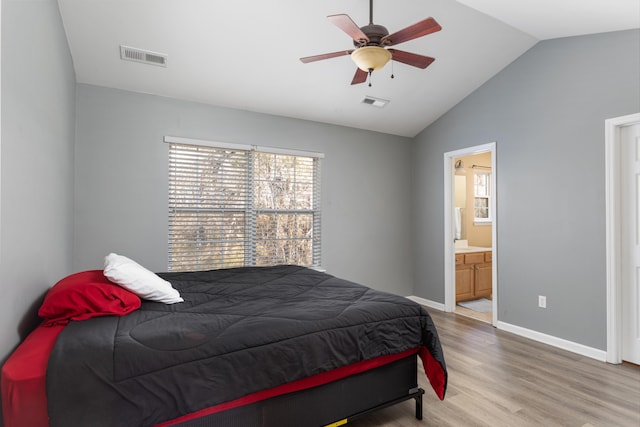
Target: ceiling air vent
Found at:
376, 102
139, 55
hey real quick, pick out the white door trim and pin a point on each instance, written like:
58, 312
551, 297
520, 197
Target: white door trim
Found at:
612, 195
449, 228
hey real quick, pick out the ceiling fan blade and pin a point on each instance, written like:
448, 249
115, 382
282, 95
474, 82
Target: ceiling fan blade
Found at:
313, 58
422, 28
409, 58
346, 24
359, 77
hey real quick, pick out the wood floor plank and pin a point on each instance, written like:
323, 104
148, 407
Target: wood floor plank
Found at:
500, 379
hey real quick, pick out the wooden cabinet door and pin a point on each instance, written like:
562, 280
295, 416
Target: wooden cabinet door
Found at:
464, 282
483, 280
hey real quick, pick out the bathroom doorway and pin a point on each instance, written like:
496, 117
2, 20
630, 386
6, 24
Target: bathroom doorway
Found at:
470, 233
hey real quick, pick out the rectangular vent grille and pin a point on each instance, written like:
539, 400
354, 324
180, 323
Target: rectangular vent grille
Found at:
376, 102
146, 57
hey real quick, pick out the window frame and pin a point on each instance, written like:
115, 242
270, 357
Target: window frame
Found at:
251, 211
488, 196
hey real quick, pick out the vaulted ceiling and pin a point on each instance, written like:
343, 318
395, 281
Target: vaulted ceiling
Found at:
244, 54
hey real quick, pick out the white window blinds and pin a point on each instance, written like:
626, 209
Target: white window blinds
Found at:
482, 196
233, 207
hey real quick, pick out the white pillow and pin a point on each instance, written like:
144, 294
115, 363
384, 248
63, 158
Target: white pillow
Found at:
137, 279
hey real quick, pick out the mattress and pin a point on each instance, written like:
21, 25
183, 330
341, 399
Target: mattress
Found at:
24, 398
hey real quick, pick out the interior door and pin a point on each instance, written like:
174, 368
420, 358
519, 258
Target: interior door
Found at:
630, 233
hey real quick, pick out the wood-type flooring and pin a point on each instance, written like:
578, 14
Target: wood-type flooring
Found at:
500, 379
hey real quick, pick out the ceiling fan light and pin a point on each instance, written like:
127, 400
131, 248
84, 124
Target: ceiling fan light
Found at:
371, 57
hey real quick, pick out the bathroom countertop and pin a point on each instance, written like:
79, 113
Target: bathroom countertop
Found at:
470, 249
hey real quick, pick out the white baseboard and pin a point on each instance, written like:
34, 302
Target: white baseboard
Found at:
561, 343
427, 303
583, 350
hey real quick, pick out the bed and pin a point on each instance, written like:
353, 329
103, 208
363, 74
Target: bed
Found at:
253, 346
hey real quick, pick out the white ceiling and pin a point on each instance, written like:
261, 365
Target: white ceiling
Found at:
244, 54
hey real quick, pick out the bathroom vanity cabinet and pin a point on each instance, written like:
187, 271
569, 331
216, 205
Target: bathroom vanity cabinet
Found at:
473, 275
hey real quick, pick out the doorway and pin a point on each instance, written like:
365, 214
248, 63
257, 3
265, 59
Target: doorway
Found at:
630, 239
622, 142
477, 278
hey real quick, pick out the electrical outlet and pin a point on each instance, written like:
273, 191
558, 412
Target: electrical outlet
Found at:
542, 301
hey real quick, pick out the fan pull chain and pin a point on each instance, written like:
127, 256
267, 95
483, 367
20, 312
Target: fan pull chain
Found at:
370, 71
392, 76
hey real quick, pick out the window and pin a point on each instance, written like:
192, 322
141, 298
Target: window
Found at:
482, 197
233, 206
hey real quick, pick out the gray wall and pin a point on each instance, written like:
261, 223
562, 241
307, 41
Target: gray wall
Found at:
121, 182
38, 109
546, 111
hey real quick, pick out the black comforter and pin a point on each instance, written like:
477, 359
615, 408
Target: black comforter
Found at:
239, 331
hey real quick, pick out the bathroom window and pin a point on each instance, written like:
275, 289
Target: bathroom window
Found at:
482, 197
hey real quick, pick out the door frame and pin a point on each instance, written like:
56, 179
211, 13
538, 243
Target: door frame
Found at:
612, 141
449, 226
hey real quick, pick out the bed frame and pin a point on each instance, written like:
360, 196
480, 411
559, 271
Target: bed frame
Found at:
332, 404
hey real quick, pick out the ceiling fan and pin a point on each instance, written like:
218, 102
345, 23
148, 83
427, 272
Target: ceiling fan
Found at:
371, 42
